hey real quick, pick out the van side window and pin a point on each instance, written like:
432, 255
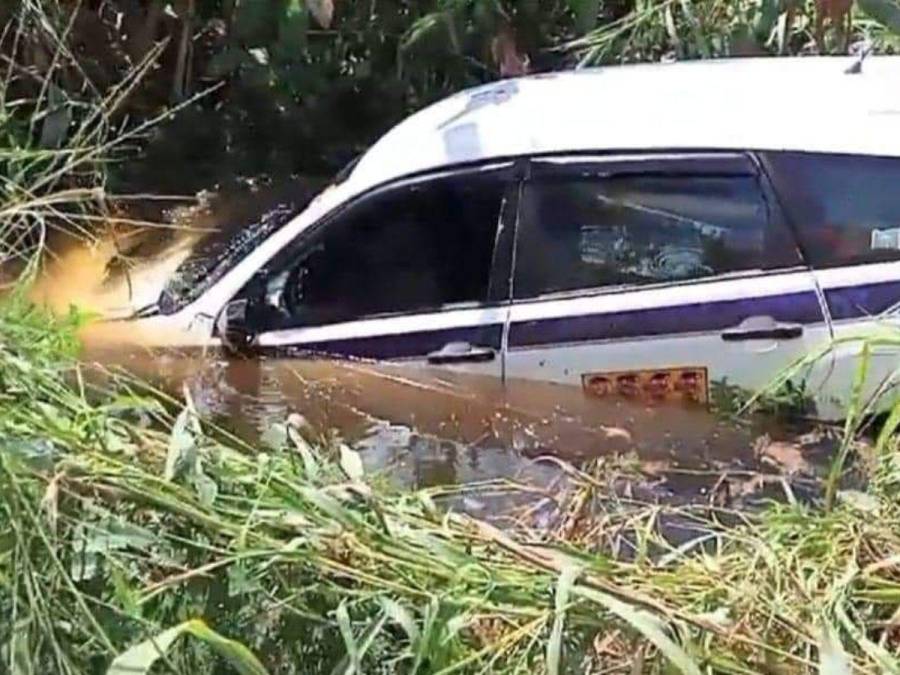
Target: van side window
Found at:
631, 230
846, 208
414, 248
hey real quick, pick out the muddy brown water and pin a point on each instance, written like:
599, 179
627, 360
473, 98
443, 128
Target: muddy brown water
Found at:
423, 427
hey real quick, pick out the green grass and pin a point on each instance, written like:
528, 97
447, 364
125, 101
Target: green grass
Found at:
125, 515
694, 29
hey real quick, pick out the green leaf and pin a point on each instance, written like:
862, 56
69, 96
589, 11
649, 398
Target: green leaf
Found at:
292, 28
138, 660
330, 506
343, 621
294, 9
310, 465
132, 403
237, 655
207, 489
554, 644
645, 623
586, 13
114, 535
885, 12
886, 661
182, 447
126, 596
356, 649
425, 644
351, 464
888, 429
423, 28
240, 582
401, 616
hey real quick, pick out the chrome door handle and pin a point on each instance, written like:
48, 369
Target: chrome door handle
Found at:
461, 352
762, 328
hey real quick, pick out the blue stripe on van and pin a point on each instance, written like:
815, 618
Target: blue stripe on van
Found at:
404, 345
853, 302
845, 303
802, 307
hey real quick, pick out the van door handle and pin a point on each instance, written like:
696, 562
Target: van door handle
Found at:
461, 352
762, 328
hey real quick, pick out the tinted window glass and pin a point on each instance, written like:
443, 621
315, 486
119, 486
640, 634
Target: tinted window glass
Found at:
579, 233
846, 209
414, 248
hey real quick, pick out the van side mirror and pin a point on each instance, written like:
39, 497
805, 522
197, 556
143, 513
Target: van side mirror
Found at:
233, 327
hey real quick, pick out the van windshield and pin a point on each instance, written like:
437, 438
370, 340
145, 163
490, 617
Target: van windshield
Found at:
215, 255
218, 253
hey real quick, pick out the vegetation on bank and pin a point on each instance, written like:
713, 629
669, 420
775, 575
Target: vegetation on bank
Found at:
126, 517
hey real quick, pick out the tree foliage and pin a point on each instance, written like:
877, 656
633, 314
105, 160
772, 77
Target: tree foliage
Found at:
300, 86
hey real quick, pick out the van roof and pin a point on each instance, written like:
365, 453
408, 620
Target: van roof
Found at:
801, 103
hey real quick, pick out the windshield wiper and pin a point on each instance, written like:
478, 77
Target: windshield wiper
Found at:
146, 311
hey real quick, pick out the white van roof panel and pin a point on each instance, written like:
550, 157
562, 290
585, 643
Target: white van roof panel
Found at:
804, 104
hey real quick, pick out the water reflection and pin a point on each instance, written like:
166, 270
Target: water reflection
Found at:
428, 427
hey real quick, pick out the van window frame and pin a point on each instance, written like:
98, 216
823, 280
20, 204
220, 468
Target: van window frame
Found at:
500, 267
688, 162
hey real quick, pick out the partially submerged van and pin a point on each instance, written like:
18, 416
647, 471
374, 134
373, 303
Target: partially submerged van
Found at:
637, 230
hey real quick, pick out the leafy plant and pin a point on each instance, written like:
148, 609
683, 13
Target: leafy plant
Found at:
786, 401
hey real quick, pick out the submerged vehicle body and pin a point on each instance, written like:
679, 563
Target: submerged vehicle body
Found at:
637, 230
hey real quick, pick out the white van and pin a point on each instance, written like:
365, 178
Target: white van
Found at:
658, 227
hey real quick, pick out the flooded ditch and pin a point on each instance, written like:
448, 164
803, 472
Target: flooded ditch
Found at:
430, 427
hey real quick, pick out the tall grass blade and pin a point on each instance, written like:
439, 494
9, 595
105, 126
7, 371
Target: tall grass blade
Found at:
887, 663
402, 617
885, 12
647, 625
833, 660
554, 644
855, 411
888, 429
237, 655
351, 463
138, 660
350, 662
427, 637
